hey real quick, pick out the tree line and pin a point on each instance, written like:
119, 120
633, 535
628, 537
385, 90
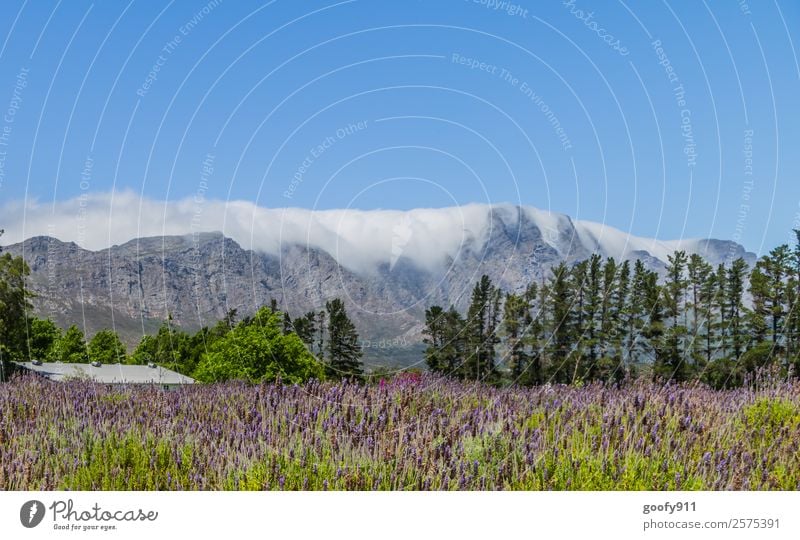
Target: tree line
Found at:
268, 345
601, 319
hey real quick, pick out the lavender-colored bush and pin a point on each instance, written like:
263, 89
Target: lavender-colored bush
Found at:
408, 433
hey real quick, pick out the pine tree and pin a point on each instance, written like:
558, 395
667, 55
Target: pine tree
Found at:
344, 350
593, 306
560, 297
515, 312
737, 311
635, 316
721, 305
707, 320
698, 271
306, 328
775, 267
533, 337
434, 333
653, 330
759, 292
618, 318
454, 342
481, 330
674, 300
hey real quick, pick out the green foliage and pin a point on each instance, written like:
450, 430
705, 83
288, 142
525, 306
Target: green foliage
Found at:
14, 306
106, 348
258, 350
70, 347
43, 335
173, 348
772, 414
344, 349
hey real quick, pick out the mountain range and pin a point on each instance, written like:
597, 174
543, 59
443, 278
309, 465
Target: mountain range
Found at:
387, 275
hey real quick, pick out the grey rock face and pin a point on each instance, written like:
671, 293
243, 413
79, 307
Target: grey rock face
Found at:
198, 278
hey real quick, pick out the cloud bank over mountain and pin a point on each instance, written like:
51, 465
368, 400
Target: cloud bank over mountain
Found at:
359, 240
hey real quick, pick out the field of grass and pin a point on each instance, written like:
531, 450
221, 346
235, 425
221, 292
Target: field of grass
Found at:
413, 433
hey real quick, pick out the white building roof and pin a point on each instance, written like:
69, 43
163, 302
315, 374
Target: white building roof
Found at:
107, 373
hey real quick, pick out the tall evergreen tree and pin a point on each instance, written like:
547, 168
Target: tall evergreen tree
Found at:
635, 316
593, 306
759, 315
435, 332
737, 311
674, 302
516, 312
562, 335
618, 317
707, 320
698, 271
721, 306
775, 267
481, 330
344, 350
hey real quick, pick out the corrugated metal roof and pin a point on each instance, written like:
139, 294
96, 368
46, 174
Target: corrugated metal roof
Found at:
108, 373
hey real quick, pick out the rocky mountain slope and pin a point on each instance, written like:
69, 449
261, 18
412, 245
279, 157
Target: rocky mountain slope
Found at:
197, 278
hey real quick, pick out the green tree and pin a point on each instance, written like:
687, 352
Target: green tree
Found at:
698, 271
706, 317
71, 347
42, 337
721, 307
258, 350
481, 331
616, 325
306, 328
591, 313
170, 347
105, 347
516, 317
738, 314
14, 305
435, 338
675, 365
775, 267
561, 331
444, 335
344, 350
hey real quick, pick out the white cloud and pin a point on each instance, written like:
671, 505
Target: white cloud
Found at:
357, 239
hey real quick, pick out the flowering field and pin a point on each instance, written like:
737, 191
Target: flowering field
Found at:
409, 433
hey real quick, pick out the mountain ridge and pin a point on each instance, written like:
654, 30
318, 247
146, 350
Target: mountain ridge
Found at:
197, 278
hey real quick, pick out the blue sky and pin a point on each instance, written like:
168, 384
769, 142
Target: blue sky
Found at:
567, 106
